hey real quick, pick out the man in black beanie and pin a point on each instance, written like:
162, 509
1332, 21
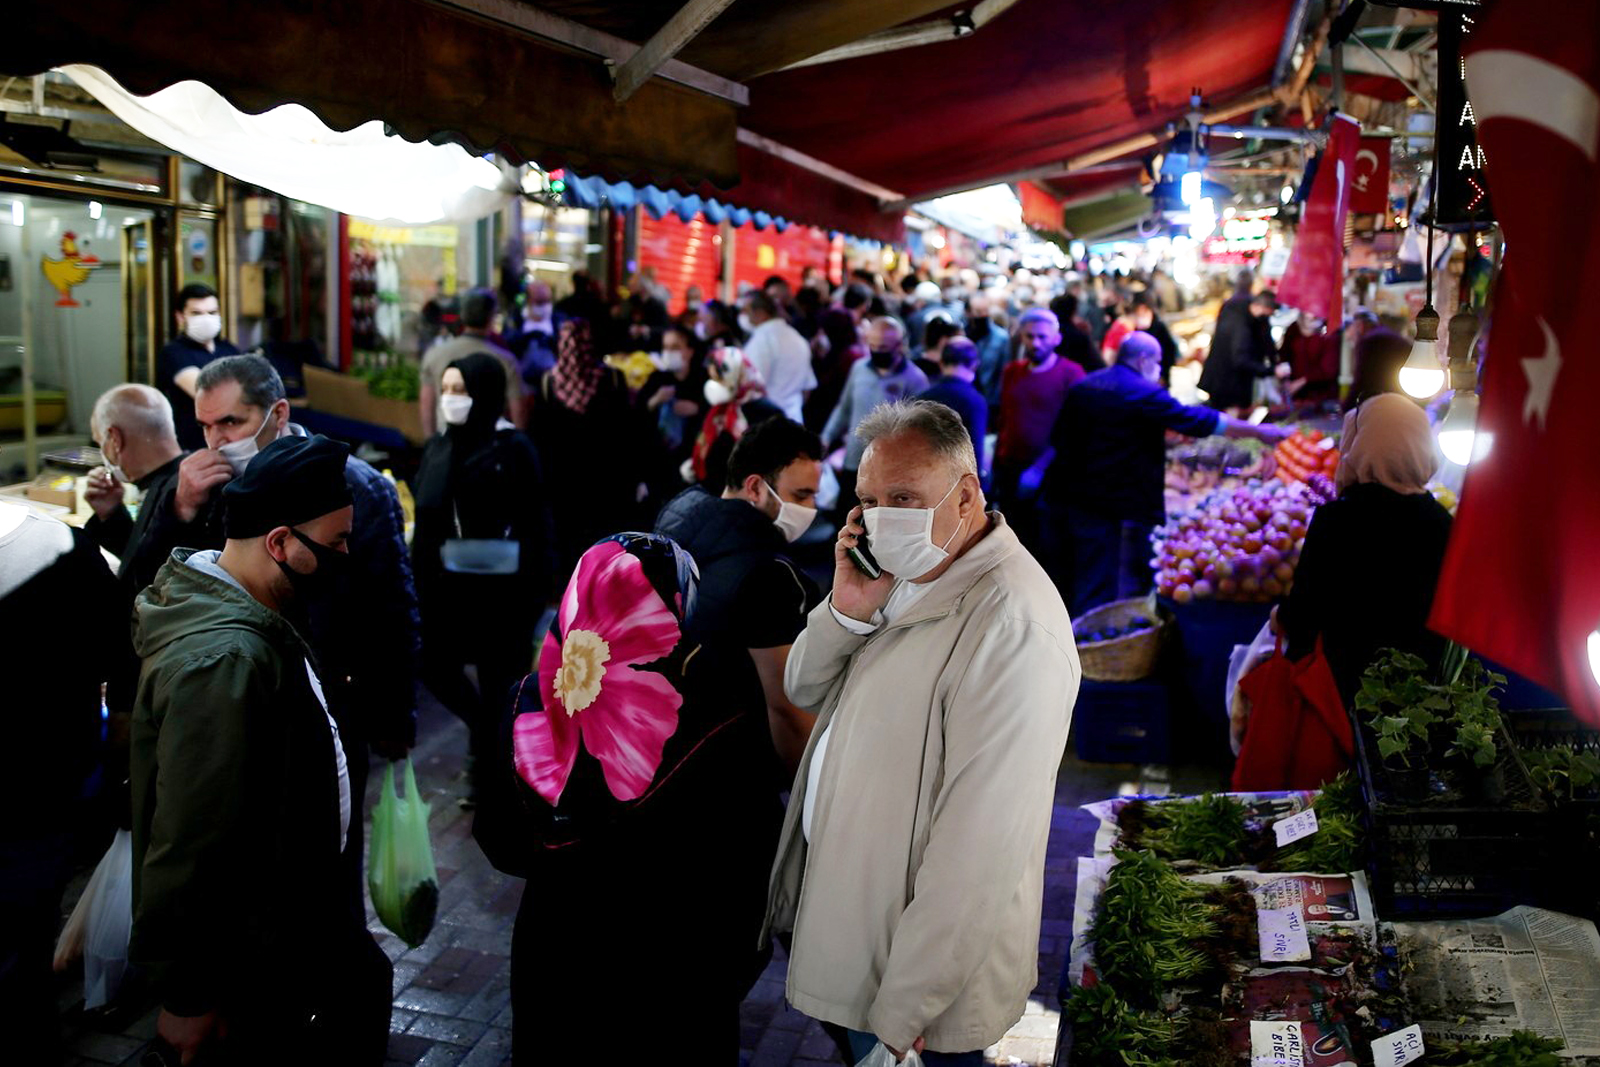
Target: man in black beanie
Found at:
241, 795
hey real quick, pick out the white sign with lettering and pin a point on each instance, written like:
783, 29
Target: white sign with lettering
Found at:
1402, 1046
1276, 1044
1293, 828
1283, 935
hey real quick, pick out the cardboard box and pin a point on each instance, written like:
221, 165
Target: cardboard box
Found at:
340, 394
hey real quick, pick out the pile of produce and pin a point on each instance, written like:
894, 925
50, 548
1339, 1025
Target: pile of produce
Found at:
1305, 454
1239, 544
1521, 1049
1086, 636
1217, 832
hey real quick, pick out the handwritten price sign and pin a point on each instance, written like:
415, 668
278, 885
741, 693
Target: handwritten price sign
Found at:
1293, 828
1402, 1046
1283, 935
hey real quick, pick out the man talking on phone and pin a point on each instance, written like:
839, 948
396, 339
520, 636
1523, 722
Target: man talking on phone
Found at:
943, 690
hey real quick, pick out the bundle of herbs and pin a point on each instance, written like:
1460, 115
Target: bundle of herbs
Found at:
1153, 931
1336, 846
1107, 1031
1210, 829
1521, 1049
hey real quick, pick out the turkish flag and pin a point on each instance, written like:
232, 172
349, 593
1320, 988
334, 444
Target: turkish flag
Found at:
1521, 580
1314, 280
1369, 189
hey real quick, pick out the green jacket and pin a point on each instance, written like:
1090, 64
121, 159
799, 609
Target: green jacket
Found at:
235, 797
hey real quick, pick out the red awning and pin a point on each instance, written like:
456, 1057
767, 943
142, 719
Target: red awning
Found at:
1043, 82
778, 187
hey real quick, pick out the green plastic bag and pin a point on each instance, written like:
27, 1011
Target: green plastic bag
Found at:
400, 872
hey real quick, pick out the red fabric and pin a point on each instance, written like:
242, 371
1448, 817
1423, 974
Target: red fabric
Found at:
1029, 405
1299, 735
767, 183
1369, 190
1314, 281
1040, 209
1521, 579
1043, 82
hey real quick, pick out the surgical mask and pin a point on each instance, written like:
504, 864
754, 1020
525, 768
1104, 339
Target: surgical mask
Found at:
322, 582
453, 408
203, 328
745, 324
793, 519
539, 311
717, 393
114, 468
902, 538
239, 453
671, 361
884, 358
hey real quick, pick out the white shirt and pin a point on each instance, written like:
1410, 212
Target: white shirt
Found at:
784, 359
902, 598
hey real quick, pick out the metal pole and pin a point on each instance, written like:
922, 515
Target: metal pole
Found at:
30, 412
1401, 78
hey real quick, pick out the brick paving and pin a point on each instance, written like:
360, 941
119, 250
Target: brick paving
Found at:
452, 993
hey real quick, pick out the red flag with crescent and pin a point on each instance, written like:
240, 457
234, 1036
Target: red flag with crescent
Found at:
1369, 188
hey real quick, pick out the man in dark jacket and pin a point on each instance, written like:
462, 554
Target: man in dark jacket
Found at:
1145, 319
954, 388
751, 595
1241, 349
1103, 491
368, 638
242, 802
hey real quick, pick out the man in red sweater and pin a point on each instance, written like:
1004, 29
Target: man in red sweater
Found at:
1032, 390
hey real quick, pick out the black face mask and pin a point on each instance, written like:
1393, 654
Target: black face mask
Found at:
884, 358
322, 582
978, 328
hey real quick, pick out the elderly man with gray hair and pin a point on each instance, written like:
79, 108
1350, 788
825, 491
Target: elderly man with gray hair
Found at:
942, 671
133, 426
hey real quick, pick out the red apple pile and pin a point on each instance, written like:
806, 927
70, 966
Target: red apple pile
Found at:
1237, 544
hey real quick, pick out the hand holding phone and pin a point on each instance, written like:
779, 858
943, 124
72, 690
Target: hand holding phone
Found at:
860, 586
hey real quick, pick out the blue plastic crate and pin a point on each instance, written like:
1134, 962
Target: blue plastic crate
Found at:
1123, 722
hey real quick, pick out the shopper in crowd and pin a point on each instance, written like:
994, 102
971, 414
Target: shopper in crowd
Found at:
366, 637
988, 328
533, 340
1377, 354
1032, 390
53, 583
198, 341
477, 318
645, 819
836, 350
584, 302
719, 324
1241, 348
1121, 323
1075, 344
751, 594
674, 396
954, 388
885, 376
1091, 309
242, 800
593, 442
1312, 354
781, 294
1371, 558
481, 551
779, 353
1103, 494
738, 401
923, 299
936, 333
808, 308
1146, 320
134, 428
948, 971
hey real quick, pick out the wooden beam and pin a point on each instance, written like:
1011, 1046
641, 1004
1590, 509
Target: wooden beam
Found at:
814, 165
912, 35
681, 28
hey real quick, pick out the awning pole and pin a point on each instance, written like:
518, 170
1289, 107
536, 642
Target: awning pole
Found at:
680, 29
30, 410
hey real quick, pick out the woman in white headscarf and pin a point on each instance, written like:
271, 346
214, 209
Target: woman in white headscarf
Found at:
1371, 558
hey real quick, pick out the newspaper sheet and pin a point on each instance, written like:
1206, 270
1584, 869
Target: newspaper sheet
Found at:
1526, 969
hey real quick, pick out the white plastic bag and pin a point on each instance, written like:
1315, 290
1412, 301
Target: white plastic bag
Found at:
69, 945
1243, 660
105, 946
880, 1056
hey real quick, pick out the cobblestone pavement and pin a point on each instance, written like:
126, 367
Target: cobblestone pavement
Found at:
452, 994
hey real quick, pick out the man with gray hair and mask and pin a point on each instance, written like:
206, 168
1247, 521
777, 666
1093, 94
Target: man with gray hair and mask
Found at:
133, 426
942, 671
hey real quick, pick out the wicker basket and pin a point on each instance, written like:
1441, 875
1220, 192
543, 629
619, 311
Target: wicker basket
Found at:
1129, 658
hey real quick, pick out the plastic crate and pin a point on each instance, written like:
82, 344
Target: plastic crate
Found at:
1122, 722
1451, 857
1574, 824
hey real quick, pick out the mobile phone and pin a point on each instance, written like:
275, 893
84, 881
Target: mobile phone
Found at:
861, 556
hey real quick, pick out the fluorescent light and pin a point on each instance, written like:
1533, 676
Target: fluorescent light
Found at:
548, 264
17, 217
95, 209
1421, 376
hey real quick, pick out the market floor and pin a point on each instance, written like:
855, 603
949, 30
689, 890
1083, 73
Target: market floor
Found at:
452, 994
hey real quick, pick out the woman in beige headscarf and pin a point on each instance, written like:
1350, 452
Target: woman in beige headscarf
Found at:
1371, 559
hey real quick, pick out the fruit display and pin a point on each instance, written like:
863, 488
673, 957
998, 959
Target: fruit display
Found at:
1237, 544
1199, 467
1087, 636
1305, 454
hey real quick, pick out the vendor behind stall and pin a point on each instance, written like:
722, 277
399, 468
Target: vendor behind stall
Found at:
1371, 558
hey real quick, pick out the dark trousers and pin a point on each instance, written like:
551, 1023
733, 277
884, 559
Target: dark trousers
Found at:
444, 672
1017, 501
1095, 560
862, 1044
33, 875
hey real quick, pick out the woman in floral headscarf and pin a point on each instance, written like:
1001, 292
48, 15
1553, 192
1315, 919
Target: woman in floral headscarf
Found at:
738, 399
592, 445
643, 821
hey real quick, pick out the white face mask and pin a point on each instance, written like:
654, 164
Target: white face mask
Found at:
901, 539
670, 361
793, 519
745, 324
717, 393
453, 408
239, 453
203, 328
114, 468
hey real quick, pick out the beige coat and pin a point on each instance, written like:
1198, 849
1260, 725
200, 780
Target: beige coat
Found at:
924, 878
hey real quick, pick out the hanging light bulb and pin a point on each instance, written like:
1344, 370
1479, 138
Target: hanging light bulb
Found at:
1459, 431
1422, 376
1286, 194
1189, 187
1594, 654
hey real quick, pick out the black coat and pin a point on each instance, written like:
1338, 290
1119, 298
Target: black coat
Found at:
1365, 580
1241, 352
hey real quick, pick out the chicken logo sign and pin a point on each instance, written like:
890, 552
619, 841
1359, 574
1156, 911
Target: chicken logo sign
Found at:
72, 269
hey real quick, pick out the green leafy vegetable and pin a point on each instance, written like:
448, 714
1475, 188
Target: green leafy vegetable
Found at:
1521, 1049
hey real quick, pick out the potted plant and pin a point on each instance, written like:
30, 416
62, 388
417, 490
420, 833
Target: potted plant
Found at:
1477, 725
1402, 710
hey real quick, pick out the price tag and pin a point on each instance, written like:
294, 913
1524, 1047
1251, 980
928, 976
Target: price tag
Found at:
1293, 828
1402, 1046
1276, 1044
1283, 935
